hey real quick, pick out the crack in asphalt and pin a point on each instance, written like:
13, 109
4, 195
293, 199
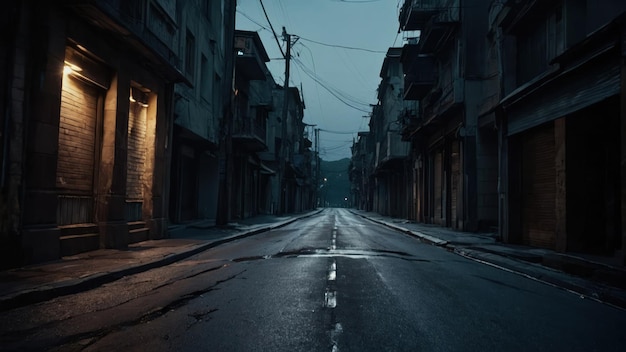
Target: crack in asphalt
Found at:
86, 339
200, 316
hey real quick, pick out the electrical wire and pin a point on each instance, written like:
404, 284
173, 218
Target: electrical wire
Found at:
336, 132
273, 31
317, 91
341, 96
343, 46
252, 20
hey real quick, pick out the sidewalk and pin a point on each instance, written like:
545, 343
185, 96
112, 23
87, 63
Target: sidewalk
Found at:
41, 282
598, 279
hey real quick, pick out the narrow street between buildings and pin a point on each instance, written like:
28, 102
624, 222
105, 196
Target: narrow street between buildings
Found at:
330, 282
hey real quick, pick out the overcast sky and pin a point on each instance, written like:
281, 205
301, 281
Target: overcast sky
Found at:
352, 75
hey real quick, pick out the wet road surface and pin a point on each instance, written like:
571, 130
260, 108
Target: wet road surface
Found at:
333, 282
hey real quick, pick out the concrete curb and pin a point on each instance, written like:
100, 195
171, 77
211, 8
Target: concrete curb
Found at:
534, 271
427, 238
537, 272
62, 288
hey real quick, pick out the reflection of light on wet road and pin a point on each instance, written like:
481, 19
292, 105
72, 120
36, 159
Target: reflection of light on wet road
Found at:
332, 273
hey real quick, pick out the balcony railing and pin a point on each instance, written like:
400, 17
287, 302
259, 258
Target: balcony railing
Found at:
415, 14
438, 30
410, 122
419, 73
392, 150
249, 133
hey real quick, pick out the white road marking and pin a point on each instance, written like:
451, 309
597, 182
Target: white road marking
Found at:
330, 299
332, 273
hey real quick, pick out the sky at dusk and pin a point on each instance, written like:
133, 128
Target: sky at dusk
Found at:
336, 61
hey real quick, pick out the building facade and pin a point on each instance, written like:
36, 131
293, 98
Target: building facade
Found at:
88, 106
454, 167
205, 46
519, 126
560, 123
391, 173
253, 102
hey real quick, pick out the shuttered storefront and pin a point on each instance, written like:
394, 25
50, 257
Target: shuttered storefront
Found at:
76, 161
136, 160
438, 184
539, 186
574, 91
455, 175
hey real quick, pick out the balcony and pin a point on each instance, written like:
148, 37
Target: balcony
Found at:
148, 27
438, 31
249, 134
410, 122
419, 72
393, 151
415, 14
251, 55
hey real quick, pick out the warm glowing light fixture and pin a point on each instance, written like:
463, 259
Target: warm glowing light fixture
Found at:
70, 68
137, 96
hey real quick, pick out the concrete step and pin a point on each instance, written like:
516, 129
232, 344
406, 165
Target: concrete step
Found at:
75, 244
138, 232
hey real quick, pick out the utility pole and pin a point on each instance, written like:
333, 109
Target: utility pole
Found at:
317, 166
225, 166
282, 199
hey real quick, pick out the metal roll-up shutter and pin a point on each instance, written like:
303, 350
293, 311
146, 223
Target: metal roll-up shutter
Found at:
136, 160
539, 187
76, 154
438, 188
455, 179
566, 94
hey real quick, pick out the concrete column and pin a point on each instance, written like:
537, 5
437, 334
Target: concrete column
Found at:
623, 145
111, 209
39, 113
162, 161
561, 184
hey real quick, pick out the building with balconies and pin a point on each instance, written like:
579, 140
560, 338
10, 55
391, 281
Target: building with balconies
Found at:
296, 185
443, 69
87, 101
560, 121
391, 156
205, 44
253, 103
361, 174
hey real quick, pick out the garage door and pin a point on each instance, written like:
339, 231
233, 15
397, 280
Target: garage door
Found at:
76, 161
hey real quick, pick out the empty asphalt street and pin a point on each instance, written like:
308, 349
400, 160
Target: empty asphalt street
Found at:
330, 282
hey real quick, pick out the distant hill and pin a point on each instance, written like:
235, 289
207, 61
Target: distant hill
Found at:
337, 186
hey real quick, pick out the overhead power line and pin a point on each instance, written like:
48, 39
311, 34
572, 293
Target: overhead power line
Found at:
252, 20
341, 96
343, 46
273, 31
336, 132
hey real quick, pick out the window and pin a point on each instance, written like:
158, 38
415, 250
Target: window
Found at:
539, 43
556, 30
206, 8
190, 53
205, 79
217, 98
